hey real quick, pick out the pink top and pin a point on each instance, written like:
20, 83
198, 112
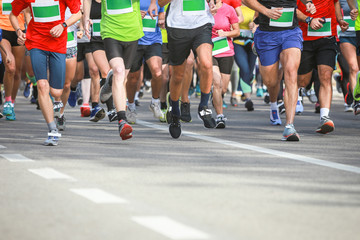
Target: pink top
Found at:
224, 18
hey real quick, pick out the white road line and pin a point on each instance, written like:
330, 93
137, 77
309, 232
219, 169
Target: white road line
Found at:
2, 147
97, 195
51, 174
291, 156
169, 227
16, 158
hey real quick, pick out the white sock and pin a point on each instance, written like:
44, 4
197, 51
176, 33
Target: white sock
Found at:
155, 100
324, 112
136, 96
220, 115
273, 106
132, 106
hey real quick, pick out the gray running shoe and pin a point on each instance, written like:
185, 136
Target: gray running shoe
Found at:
57, 108
106, 90
290, 133
131, 116
61, 123
156, 110
53, 138
220, 121
326, 125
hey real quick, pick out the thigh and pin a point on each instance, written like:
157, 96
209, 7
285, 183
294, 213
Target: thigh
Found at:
57, 69
326, 52
40, 68
179, 44
348, 50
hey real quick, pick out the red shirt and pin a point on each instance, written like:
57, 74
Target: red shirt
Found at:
324, 8
233, 3
38, 32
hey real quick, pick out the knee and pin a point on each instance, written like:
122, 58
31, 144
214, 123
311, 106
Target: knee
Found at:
206, 66
43, 86
67, 85
11, 69
93, 71
157, 73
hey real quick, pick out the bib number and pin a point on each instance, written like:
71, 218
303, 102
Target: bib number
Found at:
96, 28
71, 41
6, 7
119, 6
325, 31
46, 11
221, 45
286, 19
194, 7
149, 24
351, 23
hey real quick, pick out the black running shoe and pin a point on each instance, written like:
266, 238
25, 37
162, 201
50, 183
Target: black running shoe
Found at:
112, 115
185, 112
249, 105
175, 126
205, 114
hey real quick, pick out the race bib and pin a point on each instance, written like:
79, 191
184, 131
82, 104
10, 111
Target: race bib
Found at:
194, 7
286, 19
119, 6
221, 45
149, 24
6, 7
96, 28
46, 11
351, 23
71, 41
325, 31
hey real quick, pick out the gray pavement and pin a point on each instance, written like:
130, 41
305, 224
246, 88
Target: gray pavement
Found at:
238, 183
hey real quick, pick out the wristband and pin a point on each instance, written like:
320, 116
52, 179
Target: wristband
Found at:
309, 2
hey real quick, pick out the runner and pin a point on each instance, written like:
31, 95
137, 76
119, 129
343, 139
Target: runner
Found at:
121, 28
189, 25
149, 50
2, 66
320, 50
46, 40
278, 39
226, 27
12, 76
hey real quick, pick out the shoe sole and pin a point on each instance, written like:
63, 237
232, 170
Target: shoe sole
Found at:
207, 126
220, 125
326, 128
126, 132
85, 112
98, 116
175, 136
274, 123
292, 138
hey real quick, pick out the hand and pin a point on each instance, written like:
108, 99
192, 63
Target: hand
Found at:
57, 31
316, 23
80, 33
274, 13
253, 30
222, 33
152, 8
87, 25
213, 8
343, 25
353, 14
161, 23
310, 8
143, 13
8, 59
21, 37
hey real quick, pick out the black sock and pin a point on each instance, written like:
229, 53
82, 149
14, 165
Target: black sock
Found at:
73, 89
109, 104
94, 104
121, 115
204, 100
175, 108
163, 105
102, 82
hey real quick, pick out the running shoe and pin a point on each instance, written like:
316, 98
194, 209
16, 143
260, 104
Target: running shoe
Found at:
357, 108
85, 110
33, 100
53, 138
137, 102
311, 95
112, 115
61, 123
175, 126
317, 107
72, 98
274, 117
348, 107
337, 78
205, 114
163, 119
125, 130
356, 93
326, 125
12, 116
57, 108
299, 108
97, 114
79, 95
185, 112
281, 107
27, 90
1, 115
266, 98
191, 91
156, 110
233, 101
141, 92
131, 115
259, 92
8, 106
224, 104
290, 133
220, 121
106, 90
249, 105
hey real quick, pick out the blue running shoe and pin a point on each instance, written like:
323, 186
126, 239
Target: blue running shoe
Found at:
290, 133
53, 138
260, 92
72, 98
8, 106
97, 114
299, 108
12, 116
274, 117
27, 90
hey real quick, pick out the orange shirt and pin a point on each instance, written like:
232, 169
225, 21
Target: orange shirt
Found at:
5, 23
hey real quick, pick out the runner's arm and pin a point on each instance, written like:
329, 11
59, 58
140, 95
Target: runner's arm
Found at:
339, 17
27, 15
354, 11
274, 13
153, 8
86, 17
310, 6
239, 14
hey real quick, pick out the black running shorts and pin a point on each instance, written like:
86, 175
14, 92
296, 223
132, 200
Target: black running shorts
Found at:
143, 53
224, 63
118, 49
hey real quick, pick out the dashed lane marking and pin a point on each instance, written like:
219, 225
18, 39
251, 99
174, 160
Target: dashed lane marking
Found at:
98, 196
51, 174
16, 158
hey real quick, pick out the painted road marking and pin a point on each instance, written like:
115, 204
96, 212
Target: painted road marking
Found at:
291, 156
2, 147
169, 227
16, 158
51, 174
98, 196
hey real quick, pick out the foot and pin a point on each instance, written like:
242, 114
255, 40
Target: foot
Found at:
274, 117
156, 110
326, 125
220, 121
72, 98
233, 101
112, 115
106, 90
357, 108
97, 114
57, 107
185, 112
299, 108
249, 105
53, 138
357, 88
131, 116
61, 123
125, 130
290, 133
175, 126
85, 110
205, 114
